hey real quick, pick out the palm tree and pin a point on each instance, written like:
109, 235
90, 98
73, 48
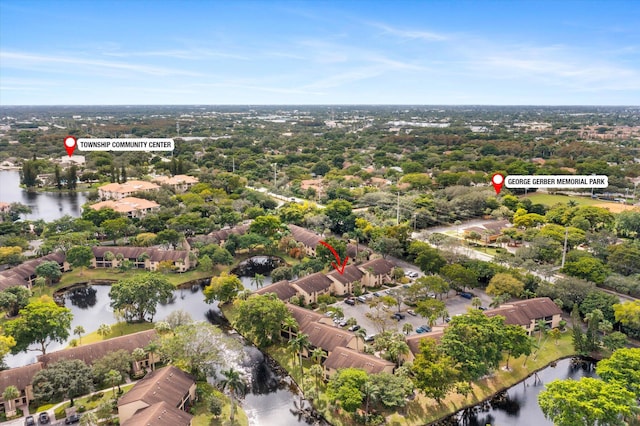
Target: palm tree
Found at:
236, 386
9, 395
396, 349
104, 330
555, 334
79, 331
317, 354
152, 349
297, 346
290, 324
258, 280
113, 378
476, 302
316, 370
407, 328
139, 354
541, 326
109, 256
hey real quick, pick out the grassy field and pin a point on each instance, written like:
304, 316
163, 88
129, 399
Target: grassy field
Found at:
117, 330
552, 199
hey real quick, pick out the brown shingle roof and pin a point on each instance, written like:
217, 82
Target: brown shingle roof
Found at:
379, 266
313, 283
524, 311
282, 289
20, 274
325, 336
159, 414
414, 341
303, 235
348, 358
223, 234
351, 274
20, 377
303, 316
168, 384
155, 254
93, 351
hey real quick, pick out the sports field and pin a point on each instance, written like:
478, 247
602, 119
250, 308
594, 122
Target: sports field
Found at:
551, 199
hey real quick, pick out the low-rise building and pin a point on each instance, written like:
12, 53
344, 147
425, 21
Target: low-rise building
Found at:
148, 258
376, 272
91, 352
159, 414
527, 313
348, 358
25, 273
117, 191
129, 206
168, 385
312, 286
309, 239
21, 378
179, 183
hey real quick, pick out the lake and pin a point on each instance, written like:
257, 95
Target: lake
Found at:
520, 406
267, 403
47, 206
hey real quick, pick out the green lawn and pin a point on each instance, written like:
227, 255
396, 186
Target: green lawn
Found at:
117, 330
89, 402
204, 418
551, 199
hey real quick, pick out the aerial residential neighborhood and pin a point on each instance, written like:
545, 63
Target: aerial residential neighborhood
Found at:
326, 213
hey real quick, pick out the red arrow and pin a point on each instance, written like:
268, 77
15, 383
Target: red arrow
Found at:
339, 267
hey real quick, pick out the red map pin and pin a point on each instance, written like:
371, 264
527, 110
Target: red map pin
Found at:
497, 180
70, 145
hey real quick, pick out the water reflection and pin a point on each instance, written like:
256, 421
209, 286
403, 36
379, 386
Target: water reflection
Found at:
83, 297
519, 404
44, 205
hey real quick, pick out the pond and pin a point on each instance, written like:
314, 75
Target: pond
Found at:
519, 404
44, 205
248, 269
271, 395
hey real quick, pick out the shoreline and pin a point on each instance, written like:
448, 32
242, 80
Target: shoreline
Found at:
503, 389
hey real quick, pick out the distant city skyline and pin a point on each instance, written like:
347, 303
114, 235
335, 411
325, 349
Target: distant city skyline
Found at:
330, 52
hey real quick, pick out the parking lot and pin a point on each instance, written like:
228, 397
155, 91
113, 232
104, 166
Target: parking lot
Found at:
455, 305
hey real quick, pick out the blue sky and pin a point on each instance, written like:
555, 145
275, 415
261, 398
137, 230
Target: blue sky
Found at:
334, 52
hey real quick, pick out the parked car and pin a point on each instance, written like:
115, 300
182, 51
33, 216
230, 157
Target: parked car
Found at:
412, 312
361, 299
398, 316
74, 418
355, 327
43, 418
467, 295
370, 338
376, 294
329, 314
342, 323
483, 308
423, 329
350, 302
29, 421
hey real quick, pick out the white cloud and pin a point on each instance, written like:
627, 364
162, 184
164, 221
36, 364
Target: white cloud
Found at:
28, 60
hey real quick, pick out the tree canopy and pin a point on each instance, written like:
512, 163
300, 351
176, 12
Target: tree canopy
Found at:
138, 297
41, 322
